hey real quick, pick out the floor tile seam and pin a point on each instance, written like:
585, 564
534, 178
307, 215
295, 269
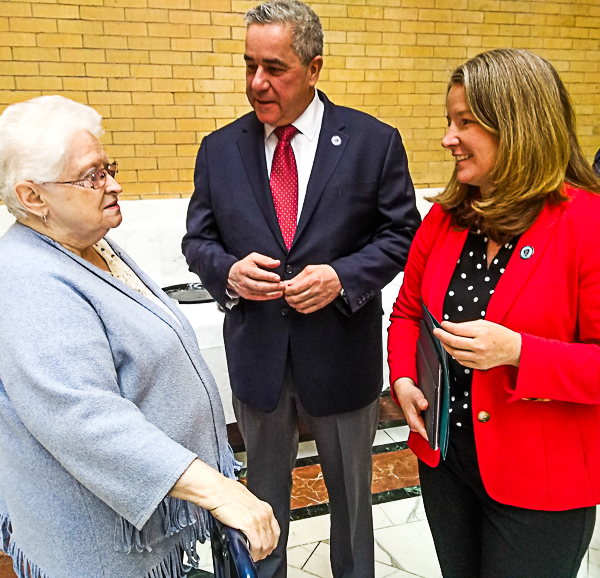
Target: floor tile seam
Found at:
412, 520
310, 556
374, 447
386, 516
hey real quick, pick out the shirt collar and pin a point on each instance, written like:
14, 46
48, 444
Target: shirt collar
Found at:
308, 122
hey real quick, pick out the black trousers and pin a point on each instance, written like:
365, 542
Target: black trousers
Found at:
477, 537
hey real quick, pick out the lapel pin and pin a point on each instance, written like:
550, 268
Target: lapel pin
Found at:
336, 141
527, 252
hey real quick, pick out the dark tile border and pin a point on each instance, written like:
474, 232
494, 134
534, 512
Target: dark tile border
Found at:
388, 448
381, 498
395, 495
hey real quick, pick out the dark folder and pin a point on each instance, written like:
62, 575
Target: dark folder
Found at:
434, 382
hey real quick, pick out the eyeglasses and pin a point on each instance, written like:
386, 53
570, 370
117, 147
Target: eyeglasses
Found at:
95, 180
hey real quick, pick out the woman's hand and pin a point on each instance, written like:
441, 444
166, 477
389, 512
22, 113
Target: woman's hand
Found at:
239, 508
231, 503
480, 344
413, 404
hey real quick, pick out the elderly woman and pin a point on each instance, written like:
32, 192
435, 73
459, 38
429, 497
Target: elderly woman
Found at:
508, 259
112, 436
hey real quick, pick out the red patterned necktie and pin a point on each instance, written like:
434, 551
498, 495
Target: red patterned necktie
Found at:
284, 183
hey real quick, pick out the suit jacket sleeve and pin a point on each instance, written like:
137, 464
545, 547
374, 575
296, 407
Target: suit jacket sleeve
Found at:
202, 244
364, 273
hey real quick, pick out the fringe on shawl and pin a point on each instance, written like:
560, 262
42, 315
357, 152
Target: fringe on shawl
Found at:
172, 566
175, 514
5, 532
232, 467
22, 566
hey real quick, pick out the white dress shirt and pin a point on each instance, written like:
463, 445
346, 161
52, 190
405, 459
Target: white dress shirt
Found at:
304, 144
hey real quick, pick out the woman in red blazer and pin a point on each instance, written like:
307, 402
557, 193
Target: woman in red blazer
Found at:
508, 258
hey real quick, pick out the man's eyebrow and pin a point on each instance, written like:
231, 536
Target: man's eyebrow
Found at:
275, 61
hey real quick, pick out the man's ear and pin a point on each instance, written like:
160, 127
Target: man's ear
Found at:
314, 69
30, 198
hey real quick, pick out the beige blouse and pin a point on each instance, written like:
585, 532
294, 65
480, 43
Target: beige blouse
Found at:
121, 271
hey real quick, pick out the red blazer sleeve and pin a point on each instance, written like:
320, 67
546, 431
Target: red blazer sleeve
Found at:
567, 368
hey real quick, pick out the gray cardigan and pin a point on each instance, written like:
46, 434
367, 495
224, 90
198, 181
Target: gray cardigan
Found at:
105, 400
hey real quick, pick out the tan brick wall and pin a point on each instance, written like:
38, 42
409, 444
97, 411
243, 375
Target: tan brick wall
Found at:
164, 73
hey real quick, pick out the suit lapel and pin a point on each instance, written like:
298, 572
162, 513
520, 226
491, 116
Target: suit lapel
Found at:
520, 268
251, 144
332, 142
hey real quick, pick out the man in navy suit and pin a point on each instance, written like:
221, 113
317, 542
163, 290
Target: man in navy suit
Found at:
300, 275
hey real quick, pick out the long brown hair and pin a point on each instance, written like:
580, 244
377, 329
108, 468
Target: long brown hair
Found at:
519, 97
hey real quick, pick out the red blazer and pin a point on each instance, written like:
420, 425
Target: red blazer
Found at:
539, 455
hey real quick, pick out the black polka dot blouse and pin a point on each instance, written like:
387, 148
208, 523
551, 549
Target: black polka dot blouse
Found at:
469, 293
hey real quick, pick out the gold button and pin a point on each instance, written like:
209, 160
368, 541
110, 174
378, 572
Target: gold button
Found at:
483, 416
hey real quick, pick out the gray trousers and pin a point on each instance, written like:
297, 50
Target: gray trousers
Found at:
344, 443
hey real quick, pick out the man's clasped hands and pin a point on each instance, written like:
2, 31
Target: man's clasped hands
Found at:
310, 290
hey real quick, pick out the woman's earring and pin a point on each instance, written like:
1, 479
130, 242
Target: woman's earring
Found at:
44, 219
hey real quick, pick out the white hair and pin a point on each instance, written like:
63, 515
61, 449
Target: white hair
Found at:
34, 142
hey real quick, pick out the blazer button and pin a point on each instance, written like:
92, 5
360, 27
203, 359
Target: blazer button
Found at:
285, 312
483, 416
289, 269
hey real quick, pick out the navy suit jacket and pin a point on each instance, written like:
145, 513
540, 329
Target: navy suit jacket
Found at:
597, 162
359, 216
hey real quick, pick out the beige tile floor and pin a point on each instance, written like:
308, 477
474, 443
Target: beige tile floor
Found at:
403, 545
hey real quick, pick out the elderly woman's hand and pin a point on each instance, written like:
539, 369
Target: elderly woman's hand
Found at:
413, 404
239, 508
480, 344
231, 503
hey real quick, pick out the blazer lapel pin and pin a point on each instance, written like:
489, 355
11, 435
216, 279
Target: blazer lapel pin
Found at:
527, 252
336, 140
